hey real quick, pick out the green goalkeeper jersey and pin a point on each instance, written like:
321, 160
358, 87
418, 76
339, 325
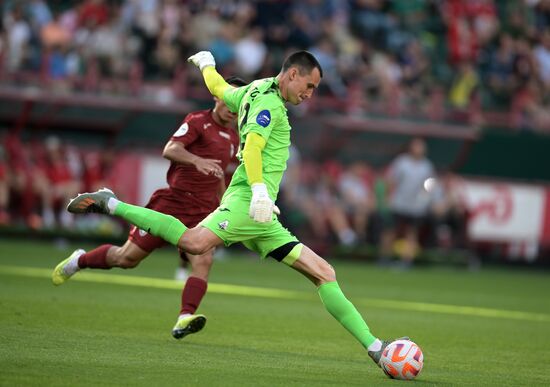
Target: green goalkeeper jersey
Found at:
261, 110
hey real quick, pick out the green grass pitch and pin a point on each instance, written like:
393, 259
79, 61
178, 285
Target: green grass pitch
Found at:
266, 325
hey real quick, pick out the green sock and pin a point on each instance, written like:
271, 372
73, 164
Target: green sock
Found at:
343, 310
164, 226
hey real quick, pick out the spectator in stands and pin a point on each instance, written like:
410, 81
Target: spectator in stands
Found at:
55, 34
462, 92
542, 57
483, 16
531, 111
542, 13
18, 39
40, 13
297, 199
250, 53
62, 183
412, 14
108, 48
56, 40
524, 63
326, 53
358, 199
97, 167
69, 20
28, 182
307, 187
501, 70
448, 213
171, 15
93, 13
328, 196
166, 53
223, 46
415, 68
309, 20
370, 22
207, 25
409, 202
272, 17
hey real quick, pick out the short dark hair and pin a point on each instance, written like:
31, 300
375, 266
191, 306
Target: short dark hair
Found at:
235, 81
304, 60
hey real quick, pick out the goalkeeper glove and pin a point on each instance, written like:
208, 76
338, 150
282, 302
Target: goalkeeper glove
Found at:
202, 59
261, 205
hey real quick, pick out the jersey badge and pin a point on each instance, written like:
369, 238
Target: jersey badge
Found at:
223, 225
205, 126
264, 118
184, 128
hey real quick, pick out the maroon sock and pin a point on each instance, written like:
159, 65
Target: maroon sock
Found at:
95, 259
192, 294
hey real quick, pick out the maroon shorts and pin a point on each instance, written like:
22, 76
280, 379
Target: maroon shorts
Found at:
185, 208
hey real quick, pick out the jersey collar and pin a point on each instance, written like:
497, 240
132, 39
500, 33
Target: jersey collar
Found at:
276, 82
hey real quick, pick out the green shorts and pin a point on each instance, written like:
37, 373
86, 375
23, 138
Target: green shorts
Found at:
231, 222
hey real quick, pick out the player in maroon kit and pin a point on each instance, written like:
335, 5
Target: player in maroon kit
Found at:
199, 152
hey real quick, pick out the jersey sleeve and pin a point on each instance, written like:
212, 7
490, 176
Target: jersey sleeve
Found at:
233, 97
187, 133
262, 116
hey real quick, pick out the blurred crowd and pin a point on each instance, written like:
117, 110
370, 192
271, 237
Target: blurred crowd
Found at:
399, 208
441, 59
452, 60
37, 178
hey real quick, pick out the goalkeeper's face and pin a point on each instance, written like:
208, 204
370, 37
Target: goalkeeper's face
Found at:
301, 85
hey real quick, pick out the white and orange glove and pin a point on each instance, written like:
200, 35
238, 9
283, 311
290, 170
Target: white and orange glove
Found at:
262, 207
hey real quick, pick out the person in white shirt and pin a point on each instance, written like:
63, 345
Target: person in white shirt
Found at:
409, 201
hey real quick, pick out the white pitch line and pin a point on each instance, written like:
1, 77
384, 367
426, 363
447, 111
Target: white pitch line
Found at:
251, 291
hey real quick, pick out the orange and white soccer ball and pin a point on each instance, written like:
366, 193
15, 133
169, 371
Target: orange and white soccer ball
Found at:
402, 359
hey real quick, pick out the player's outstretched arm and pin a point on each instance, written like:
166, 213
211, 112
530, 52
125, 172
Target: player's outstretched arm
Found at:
204, 60
176, 152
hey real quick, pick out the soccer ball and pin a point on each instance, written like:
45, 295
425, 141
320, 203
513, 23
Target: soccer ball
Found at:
402, 359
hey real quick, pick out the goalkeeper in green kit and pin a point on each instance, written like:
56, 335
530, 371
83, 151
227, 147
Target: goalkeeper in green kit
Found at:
247, 212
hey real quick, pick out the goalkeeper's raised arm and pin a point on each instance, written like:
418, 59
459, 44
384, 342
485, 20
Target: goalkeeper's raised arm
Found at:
204, 60
262, 206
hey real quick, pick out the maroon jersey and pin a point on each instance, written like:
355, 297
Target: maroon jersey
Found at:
192, 195
203, 137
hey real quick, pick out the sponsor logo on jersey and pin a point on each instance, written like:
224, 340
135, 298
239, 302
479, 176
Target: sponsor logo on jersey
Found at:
223, 225
263, 118
225, 135
183, 129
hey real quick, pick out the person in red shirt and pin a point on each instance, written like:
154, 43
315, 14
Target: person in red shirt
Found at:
199, 152
62, 183
93, 13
